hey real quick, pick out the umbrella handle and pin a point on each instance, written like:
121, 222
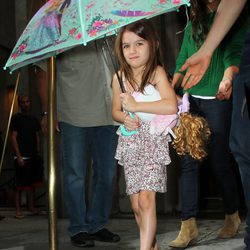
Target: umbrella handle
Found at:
124, 131
114, 65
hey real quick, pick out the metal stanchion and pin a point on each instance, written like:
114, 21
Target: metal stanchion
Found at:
9, 120
51, 157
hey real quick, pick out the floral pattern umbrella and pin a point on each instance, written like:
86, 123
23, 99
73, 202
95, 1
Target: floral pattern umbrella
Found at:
62, 24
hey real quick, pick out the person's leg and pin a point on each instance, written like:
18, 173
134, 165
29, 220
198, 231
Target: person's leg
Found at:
135, 207
20, 182
18, 204
240, 138
218, 115
74, 146
147, 212
37, 171
103, 146
30, 193
190, 169
30, 200
134, 199
188, 233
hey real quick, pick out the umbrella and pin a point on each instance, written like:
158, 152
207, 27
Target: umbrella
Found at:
62, 24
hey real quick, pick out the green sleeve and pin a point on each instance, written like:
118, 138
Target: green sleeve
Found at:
183, 53
233, 44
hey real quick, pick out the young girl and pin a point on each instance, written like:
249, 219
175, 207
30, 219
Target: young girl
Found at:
148, 92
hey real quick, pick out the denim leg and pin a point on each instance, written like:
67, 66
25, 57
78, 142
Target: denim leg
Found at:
240, 138
218, 115
189, 187
103, 147
74, 147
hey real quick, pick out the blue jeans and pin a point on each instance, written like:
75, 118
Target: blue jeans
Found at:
78, 143
218, 115
240, 130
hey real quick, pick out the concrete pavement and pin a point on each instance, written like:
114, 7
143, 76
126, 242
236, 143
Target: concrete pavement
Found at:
31, 233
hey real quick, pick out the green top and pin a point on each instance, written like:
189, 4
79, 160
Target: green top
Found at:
227, 54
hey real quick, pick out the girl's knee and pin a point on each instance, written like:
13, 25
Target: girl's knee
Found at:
135, 209
146, 200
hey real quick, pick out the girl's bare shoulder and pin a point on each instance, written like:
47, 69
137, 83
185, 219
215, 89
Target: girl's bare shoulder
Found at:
160, 70
160, 74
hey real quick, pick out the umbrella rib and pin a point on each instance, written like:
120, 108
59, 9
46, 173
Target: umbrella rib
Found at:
81, 23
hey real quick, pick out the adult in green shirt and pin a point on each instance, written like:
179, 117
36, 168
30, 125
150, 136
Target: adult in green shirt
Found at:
211, 98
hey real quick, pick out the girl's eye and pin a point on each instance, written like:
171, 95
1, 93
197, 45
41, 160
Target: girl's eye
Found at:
140, 43
125, 46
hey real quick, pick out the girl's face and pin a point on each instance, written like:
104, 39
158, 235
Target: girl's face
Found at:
135, 50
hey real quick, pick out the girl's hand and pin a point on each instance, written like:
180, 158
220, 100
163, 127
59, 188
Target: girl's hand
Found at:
128, 102
225, 89
131, 123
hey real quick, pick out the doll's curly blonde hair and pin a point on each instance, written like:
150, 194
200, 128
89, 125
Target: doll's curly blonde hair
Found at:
192, 135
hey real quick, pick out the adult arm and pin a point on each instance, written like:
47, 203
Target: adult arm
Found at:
16, 148
177, 79
38, 143
196, 65
42, 88
231, 57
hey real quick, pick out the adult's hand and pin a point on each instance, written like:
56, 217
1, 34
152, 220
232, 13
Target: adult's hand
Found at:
20, 161
225, 89
196, 67
44, 125
177, 79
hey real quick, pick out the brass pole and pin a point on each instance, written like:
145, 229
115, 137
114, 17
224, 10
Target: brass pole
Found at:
51, 156
53, 244
9, 120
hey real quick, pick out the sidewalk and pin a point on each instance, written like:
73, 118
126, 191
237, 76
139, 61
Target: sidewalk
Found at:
31, 233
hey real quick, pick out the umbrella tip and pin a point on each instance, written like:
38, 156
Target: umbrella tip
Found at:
5, 68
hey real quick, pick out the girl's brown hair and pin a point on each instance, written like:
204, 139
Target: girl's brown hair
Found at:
143, 29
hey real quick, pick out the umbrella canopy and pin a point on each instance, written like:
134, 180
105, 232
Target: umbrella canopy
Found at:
62, 24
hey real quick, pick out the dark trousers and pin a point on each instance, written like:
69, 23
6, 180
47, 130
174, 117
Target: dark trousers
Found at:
218, 115
240, 131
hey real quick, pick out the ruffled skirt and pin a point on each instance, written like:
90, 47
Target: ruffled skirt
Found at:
144, 157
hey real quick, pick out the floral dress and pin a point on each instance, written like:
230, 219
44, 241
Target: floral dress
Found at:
144, 155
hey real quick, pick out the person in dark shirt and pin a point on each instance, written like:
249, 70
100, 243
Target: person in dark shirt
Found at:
26, 145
